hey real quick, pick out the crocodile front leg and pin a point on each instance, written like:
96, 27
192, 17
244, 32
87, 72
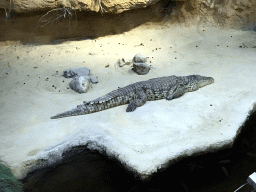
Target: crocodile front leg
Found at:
175, 92
139, 99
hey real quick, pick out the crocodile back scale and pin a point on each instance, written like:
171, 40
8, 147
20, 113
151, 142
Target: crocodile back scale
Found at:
136, 94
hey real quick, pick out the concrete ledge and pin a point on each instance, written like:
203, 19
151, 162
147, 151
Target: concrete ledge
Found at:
153, 135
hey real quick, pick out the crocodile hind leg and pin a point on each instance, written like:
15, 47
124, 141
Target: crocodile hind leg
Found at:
175, 92
140, 99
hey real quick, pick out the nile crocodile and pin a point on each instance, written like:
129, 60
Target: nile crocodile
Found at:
137, 94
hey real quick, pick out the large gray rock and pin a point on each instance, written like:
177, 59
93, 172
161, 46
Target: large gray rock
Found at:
139, 64
141, 68
83, 71
81, 79
139, 58
80, 84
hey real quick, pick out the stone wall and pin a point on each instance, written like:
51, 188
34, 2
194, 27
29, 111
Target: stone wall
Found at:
46, 20
108, 6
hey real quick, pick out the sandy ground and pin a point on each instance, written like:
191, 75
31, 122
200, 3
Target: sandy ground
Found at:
33, 89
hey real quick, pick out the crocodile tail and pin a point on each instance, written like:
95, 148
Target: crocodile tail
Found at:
79, 110
72, 112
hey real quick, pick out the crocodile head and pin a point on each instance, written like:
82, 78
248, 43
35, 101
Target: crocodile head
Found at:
194, 82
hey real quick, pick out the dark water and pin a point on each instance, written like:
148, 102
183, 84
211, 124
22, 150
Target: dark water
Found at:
90, 171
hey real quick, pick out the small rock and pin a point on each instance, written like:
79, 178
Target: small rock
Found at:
139, 58
94, 80
123, 61
141, 68
83, 71
80, 84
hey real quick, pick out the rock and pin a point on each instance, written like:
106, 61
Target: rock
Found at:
141, 68
139, 58
112, 6
94, 80
80, 84
83, 71
139, 64
123, 61
81, 79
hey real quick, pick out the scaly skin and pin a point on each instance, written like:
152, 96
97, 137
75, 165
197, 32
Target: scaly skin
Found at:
137, 94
